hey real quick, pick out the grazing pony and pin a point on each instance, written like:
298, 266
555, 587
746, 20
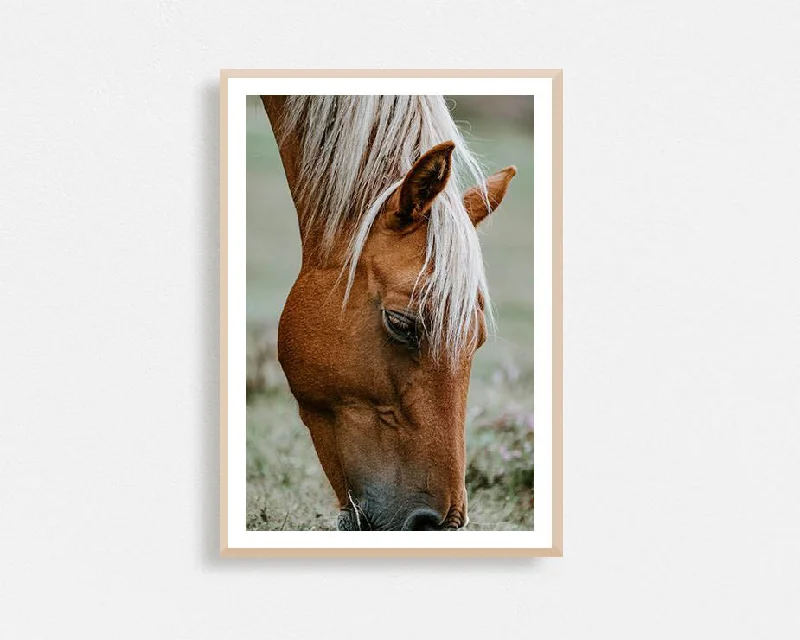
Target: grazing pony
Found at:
378, 333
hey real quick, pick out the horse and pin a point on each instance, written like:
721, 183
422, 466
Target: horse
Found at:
378, 332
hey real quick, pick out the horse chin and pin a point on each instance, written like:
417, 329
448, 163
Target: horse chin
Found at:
345, 521
349, 520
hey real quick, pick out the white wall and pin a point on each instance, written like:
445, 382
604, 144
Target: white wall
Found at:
682, 322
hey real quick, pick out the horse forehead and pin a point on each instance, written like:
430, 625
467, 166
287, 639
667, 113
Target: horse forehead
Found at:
399, 260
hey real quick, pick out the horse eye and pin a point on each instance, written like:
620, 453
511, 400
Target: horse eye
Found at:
400, 326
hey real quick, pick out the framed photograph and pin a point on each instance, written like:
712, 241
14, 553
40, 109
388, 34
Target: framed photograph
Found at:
391, 313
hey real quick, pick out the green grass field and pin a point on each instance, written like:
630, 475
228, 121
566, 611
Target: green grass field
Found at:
286, 488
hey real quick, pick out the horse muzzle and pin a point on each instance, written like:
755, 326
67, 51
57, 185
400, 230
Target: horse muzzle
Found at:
354, 518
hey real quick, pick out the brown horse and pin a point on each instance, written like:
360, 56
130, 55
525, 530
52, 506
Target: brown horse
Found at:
378, 333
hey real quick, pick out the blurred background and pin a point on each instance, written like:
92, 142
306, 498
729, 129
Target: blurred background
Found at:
286, 487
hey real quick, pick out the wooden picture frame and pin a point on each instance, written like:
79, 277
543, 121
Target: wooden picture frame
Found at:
235, 85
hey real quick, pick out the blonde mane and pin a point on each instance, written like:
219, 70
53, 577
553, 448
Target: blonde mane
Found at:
355, 151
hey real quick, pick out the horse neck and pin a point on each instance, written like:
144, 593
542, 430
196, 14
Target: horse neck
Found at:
289, 147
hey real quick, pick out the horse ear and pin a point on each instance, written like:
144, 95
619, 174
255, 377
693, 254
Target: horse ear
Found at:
422, 184
496, 187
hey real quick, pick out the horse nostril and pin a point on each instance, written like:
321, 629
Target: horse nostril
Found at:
422, 520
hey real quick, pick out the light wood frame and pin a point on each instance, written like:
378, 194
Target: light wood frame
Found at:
556, 550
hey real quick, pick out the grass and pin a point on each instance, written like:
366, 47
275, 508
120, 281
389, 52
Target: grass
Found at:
286, 487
